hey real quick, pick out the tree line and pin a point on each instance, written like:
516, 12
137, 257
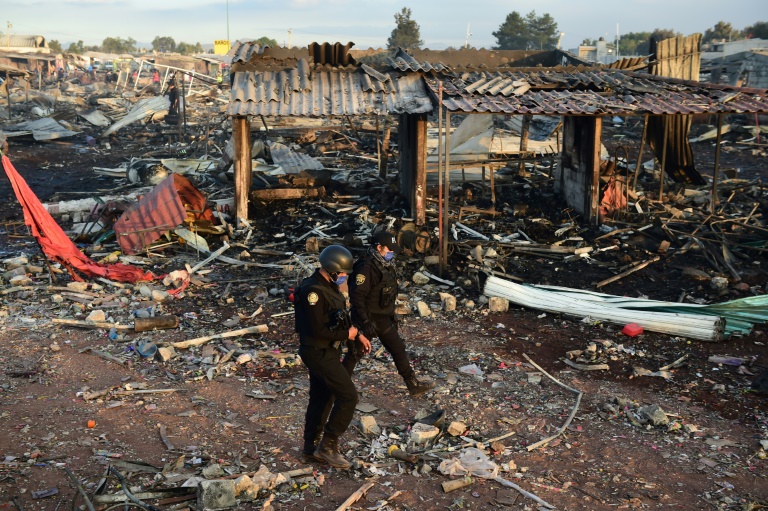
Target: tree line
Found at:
532, 32
517, 32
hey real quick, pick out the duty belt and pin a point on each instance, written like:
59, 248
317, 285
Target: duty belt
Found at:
320, 344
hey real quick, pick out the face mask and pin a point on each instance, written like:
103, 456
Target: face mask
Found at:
340, 280
389, 256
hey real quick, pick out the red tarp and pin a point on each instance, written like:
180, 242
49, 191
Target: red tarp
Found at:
162, 209
56, 245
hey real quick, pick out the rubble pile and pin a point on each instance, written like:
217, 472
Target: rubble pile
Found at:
217, 319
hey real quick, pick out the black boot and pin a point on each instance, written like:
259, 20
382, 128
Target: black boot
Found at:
308, 451
416, 387
328, 451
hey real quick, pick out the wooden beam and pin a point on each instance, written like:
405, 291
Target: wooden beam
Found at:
243, 166
593, 167
420, 162
716, 170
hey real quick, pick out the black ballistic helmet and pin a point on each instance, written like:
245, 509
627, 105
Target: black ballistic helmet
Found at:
336, 259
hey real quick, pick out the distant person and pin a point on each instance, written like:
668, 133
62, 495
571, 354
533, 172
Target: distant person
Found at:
219, 79
156, 79
173, 97
91, 74
60, 75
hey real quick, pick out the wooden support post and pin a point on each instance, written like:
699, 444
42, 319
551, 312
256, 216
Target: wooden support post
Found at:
524, 136
446, 191
243, 165
663, 159
594, 170
420, 161
386, 130
441, 150
716, 170
640, 153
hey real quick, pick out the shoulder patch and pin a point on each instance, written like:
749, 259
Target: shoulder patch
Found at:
359, 279
312, 298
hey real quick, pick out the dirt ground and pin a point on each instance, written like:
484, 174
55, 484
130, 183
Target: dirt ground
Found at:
707, 456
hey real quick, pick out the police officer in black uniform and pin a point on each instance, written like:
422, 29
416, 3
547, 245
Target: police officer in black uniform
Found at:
372, 294
323, 325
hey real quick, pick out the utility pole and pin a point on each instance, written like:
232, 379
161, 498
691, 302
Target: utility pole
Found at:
290, 30
617, 41
229, 41
466, 41
10, 26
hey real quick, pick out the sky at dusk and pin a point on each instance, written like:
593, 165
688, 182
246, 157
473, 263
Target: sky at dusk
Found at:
367, 23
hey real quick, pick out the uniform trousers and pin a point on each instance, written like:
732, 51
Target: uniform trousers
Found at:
329, 382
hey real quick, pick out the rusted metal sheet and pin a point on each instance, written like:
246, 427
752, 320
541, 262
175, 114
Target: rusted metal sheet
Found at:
590, 92
164, 208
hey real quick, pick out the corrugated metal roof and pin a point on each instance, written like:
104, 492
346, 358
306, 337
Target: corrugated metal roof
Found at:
590, 92
300, 91
405, 62
473, 60
23, 41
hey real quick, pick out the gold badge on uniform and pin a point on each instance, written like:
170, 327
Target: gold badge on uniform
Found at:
359, 279
312, 298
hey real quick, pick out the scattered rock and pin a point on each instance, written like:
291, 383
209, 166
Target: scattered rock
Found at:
97, 316
369, 425
424, 309
457, 428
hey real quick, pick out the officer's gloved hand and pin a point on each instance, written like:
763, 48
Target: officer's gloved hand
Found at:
369, 329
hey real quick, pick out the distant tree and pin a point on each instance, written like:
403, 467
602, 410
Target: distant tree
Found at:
118, 45
55, 46
77, 48
163, 44
529, 33
757, 31
543, 31
629, 43
588, 42
658, 34
266, 41
512, 34
199, 48
406, 33
186, 48
722, 31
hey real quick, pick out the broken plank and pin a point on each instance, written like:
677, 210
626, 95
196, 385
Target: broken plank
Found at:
287, 193
587, 367
164, 437
356, 496
107, 356
621, 275
260, 329
91, 324
268, 397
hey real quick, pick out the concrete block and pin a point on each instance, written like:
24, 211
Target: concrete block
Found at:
166, 353
498, 304
216, 494
421, 433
